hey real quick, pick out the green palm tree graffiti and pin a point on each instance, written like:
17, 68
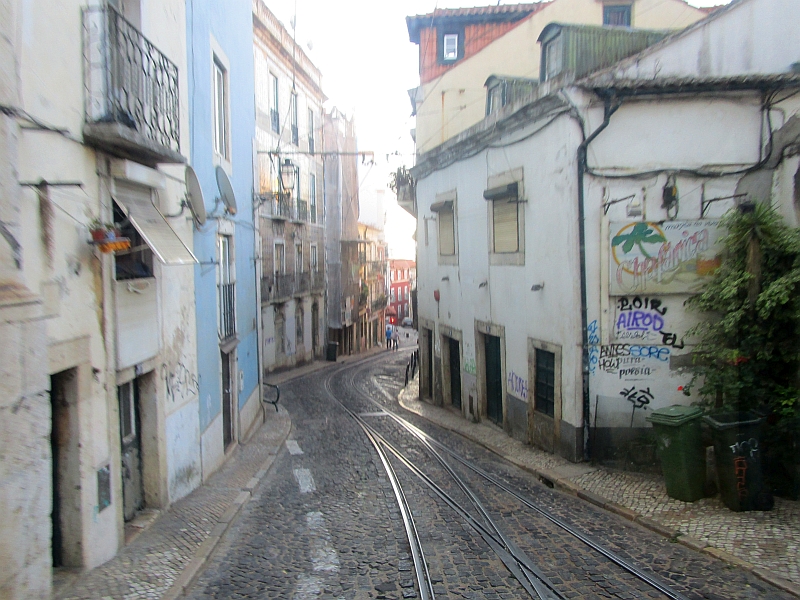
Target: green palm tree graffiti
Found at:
641, 234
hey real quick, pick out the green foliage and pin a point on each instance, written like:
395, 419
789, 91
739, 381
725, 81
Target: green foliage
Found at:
401, 178
747, 354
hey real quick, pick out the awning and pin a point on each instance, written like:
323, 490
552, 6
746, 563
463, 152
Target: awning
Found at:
508, 192
440, 206
390, 311
137, 204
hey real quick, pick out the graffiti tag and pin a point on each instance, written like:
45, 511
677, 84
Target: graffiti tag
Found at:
180, 382
638, 399
594, 342
517, 385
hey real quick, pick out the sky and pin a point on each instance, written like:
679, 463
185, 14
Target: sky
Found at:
368, 64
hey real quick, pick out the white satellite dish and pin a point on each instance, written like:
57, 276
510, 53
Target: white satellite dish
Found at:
194, 197
226, 191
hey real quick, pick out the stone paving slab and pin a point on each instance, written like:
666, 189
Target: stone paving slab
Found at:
164, 558
765, 543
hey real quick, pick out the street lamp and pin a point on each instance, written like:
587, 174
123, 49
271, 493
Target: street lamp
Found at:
288, 173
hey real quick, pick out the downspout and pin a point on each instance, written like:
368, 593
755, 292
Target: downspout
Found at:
608, 110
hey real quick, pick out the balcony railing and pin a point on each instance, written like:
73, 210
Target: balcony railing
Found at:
302, 210
278, 209
302, 283
132, 99
379, 303
317, 281
227, 310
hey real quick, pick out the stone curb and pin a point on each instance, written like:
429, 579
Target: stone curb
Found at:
206, 549
567, 486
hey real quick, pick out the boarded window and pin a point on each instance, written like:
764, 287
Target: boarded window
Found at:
505, 221
447, 238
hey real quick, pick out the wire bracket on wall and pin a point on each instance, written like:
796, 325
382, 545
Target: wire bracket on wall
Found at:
609, 203
704, 204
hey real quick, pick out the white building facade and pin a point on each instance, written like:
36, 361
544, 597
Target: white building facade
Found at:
103, 331
558, 239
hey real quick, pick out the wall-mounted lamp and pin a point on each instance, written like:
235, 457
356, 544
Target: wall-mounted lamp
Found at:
288, 174
537, 287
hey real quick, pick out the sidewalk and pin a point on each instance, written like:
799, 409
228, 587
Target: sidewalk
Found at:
765, 543
161, 560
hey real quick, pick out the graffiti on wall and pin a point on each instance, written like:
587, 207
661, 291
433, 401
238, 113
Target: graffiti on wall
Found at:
180, 382
639, 398
594, 346
643, 319
517, 385
631, 360
672, 257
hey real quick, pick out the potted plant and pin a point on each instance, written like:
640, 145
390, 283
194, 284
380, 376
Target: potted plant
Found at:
402, 183
102, 232
747, 353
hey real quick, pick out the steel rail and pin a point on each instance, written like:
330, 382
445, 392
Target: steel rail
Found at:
531, 577
586, 539
418, 556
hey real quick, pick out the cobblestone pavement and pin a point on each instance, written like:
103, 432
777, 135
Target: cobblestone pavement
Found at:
765, 543
324, 523
155, 561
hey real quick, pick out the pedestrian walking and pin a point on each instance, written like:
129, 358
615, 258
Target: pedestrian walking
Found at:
395, 339
388, 337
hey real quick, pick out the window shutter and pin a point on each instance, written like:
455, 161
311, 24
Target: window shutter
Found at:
447, 241
505, 220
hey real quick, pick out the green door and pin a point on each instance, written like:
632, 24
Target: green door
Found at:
494, 380
455, 373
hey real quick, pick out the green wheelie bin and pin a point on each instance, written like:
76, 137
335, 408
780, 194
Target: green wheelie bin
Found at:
679, 446
737, 439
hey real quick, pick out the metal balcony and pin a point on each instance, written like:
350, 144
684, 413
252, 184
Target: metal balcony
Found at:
132, 101
302, 284
277, 288
302, 211
317, 281
279, 209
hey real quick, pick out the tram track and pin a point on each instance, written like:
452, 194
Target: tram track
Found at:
530, 576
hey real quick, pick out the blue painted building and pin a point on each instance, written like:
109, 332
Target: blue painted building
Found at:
222, 125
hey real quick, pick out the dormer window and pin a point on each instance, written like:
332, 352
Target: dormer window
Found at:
553, 57
450, 46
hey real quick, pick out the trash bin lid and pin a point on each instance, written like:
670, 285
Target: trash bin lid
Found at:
733, 420
674, 415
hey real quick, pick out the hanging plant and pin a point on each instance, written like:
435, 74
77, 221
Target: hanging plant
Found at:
401, 178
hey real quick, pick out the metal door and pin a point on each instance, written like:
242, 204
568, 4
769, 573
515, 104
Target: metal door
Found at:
132, 491
227, 401
314, 328
455, 373
494, 380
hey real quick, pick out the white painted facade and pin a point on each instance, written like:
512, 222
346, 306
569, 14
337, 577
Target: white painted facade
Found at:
701, 140
71, 331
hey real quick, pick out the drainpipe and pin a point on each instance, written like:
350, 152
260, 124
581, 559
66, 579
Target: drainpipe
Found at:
609, 109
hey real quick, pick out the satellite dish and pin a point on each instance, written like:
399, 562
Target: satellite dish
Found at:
226, 191
194, 195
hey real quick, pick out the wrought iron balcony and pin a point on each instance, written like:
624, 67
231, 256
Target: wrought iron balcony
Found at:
132, 100
302, 210
278, 209
379, 303
277, 288
302, 284
227, 310
317, 281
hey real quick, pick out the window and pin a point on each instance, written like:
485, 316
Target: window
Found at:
545, 381
406, 295
126, 393
505, 223
274, 115
314, 257
450, 46
298, 325
447, 243
280, 258
136, 262
553, 57
312, 196
311, 131
227, 288
221, 144
495, 98
295, 131
394, 298
617, 14
298, 258
506, 218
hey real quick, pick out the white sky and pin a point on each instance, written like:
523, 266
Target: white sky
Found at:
368, 64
